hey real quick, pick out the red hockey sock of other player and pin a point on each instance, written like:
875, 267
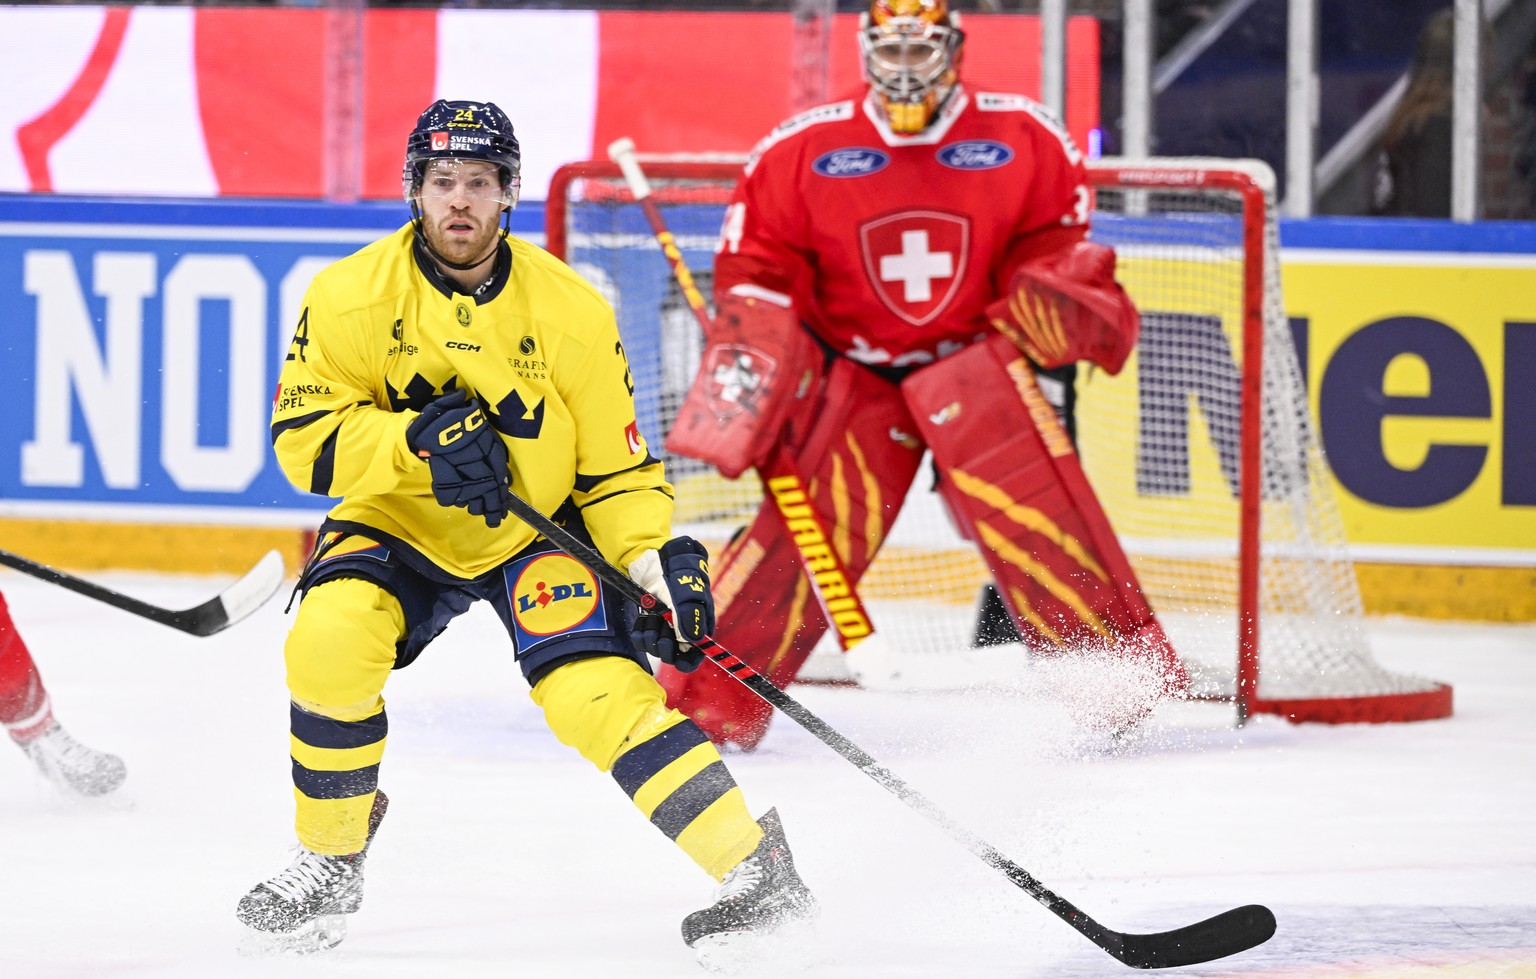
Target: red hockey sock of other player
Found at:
24, 710
857, 462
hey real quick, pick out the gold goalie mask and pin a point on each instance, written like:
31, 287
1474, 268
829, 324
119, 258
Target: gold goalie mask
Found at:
911, 54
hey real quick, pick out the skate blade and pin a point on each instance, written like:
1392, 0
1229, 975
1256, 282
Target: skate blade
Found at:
788, 949
326, 931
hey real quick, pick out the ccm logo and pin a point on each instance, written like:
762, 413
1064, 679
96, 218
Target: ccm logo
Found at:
456, 345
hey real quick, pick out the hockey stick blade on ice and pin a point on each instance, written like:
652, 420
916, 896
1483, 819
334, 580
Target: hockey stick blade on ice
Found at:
215, 615
1217, 937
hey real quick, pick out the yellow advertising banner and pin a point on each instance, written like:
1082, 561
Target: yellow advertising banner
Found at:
1421, 371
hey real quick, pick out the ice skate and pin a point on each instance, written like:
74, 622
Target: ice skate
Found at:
762, 897
304, 908
71, 765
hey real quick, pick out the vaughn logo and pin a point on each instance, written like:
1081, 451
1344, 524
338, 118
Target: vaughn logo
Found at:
854, 161
976, 154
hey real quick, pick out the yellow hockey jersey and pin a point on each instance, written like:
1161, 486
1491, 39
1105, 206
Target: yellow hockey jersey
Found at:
378, 339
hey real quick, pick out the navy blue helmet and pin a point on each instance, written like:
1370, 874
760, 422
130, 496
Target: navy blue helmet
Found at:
464, 131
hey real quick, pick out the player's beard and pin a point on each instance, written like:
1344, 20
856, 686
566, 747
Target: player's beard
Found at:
462, 249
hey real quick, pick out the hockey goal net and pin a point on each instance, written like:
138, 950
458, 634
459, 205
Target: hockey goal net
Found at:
1202, 450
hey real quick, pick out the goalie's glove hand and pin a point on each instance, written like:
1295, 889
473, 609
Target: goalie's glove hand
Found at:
1034, 323
467, 457
678, 575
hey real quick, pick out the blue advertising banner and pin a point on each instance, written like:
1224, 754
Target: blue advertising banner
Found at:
141, 341
140, 351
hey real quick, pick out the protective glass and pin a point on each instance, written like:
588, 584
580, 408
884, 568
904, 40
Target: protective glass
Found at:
906, 58
472, 180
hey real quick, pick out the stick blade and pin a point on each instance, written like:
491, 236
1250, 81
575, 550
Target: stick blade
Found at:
1225, 934
240, 599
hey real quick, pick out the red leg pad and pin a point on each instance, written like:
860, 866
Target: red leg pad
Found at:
1011, 477
857, 461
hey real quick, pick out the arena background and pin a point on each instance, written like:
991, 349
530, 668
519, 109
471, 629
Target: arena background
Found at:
170, 183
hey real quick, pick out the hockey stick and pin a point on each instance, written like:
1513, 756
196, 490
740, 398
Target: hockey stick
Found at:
833, 585
1217, 937
218, 613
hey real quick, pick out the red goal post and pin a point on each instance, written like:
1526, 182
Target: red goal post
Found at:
1203, 450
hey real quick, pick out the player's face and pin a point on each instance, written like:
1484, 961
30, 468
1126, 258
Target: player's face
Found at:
461, 204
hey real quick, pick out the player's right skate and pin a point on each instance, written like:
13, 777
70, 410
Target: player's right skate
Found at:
762, 896
71, 765
304, 908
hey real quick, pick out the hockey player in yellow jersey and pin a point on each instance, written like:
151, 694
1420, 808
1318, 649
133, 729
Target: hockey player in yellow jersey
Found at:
432, 374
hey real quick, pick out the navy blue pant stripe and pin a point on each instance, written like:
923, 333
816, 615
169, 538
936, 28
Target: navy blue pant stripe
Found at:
691, 798
637, 765
335, 785
325, 732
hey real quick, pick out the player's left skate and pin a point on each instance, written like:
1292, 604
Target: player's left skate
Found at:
304, 908
762, 897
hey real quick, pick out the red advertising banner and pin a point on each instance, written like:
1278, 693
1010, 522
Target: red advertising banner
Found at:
272, 102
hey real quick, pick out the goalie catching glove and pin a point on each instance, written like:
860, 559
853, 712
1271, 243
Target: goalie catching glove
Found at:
678, 575
1067, 306
468, 459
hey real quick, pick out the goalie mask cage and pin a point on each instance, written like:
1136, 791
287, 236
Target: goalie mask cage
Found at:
1202, 449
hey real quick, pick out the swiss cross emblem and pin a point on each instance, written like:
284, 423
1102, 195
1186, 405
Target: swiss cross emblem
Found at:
915, 261
737, 374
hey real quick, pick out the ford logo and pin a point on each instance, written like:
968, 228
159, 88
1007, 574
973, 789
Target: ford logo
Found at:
851, 162
976, 154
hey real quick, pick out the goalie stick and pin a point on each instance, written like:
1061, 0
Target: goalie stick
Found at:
1216, 937
833, 585
220, 612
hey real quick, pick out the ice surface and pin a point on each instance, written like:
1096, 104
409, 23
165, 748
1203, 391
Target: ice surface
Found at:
1385, 851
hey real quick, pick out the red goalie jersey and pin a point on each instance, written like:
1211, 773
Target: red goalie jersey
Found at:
890, 247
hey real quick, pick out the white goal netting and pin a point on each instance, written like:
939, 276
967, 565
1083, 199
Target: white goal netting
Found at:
1164, 443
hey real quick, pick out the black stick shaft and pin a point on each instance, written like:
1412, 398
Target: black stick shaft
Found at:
1207, 940
214, 615
117, 599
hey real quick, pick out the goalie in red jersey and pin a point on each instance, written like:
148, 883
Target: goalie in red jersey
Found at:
911, 269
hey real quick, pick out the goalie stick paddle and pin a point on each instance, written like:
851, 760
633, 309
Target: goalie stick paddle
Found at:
220, 612
854, 625
1217, 937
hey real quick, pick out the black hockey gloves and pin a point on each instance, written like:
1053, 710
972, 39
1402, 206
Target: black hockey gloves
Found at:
678, 574
468, 459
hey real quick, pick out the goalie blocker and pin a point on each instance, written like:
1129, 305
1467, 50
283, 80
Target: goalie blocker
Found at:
758, 370
1020, 493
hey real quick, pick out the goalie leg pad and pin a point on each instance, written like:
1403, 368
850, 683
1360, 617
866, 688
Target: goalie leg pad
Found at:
1012, 479
858, 460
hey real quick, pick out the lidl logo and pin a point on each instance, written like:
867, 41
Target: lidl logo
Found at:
553, 594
